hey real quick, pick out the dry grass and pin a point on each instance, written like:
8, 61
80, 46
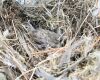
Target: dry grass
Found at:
63, 44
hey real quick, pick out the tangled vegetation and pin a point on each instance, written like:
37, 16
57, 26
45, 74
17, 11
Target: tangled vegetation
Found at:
50, 40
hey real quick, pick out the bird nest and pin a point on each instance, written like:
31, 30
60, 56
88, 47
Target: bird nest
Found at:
58, 40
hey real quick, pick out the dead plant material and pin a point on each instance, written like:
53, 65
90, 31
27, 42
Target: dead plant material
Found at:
50, 40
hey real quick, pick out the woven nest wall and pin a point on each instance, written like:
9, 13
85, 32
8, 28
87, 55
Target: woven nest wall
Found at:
50, 40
